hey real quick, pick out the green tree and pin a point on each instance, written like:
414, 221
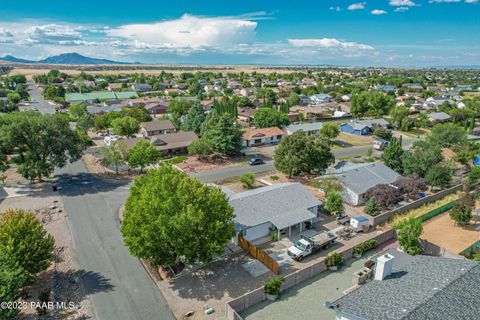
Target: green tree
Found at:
328, 185
126, 126
372, 207
202, 148
372, 103
383, 133
143, 154
12, 278
461, 214
177, 108
114, 155
38, 143
224, 134
421, 158
409, 231
393, 155
14, 98
330, 131
447, 135
23, 237
169, 215
194, 119
299, 153
267, 117
398, 114
474, 175
334, 203
247, 180
77, 111
439, 175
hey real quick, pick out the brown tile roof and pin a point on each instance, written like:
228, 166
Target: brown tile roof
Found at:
146, 100
156, 125
262, 133
174, 140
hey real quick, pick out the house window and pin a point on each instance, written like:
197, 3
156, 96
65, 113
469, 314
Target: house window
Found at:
279, 137
257, 141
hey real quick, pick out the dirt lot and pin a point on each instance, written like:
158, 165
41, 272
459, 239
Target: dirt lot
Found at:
443, 232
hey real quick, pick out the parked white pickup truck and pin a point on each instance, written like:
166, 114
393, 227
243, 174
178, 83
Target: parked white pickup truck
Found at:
307, 246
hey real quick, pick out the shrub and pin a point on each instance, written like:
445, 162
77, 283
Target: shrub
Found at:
247, 180
272, 286
274, 178
364, 247
461, 214
385, 194
408, 234
334, 259
372, 207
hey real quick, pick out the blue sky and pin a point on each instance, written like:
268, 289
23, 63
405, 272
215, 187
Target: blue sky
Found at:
331, 32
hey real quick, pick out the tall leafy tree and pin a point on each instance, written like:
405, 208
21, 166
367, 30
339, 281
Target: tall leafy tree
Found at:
334, 203
421, 158
439, 176
126, 126
300, 153
224, 134
409, 231
38, 143
169, 215
393, 155
115, 155
447, 135
268, 117
330, 131
143, 154
372, 103
12, 278
194, 119
23, 237
202, 148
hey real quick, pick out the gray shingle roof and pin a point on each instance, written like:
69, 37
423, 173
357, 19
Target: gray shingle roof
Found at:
304, 126
439, 116
360, 179
426, 288
282, 203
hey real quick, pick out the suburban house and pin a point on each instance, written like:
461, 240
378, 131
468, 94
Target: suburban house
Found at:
357, 180
143, 101
438, 117
310, 129
157, 107
311, 113
320, 98
98, 109
141, 87
246, 114
363, 127
262, 136
169, 144
174, 143
157, 127
408, 287
281, 207
114, 86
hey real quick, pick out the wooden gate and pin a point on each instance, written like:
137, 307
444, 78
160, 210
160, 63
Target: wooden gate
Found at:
258, 254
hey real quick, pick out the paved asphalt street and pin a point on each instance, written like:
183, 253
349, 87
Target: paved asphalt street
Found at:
36, 101
117, 283
226, 173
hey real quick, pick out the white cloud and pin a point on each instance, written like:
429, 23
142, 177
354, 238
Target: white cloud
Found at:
336, 9
453, 1
329, 43
189, 32
401, 9
402, 3
357, 6
378, 12
5, 33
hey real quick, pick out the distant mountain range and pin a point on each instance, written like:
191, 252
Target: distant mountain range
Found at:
64, 58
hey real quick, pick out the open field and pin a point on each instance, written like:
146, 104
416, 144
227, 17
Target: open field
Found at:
31, 70
353, 140
443, 232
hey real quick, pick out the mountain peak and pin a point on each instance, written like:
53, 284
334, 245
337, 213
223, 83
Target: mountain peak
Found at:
64, 58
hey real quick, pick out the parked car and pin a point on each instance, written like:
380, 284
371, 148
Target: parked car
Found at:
255, 161
380, 144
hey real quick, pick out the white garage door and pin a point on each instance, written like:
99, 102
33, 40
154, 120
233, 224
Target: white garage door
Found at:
257, 232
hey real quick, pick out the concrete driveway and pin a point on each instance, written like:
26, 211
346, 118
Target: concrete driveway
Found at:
117, 284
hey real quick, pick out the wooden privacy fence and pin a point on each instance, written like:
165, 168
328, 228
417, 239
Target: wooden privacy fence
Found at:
258, 254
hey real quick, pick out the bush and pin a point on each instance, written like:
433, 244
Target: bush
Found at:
364, 247
334, 259
247, 180
461, 214
274, 178
372, 207
272, 286
408, 234
385, 195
